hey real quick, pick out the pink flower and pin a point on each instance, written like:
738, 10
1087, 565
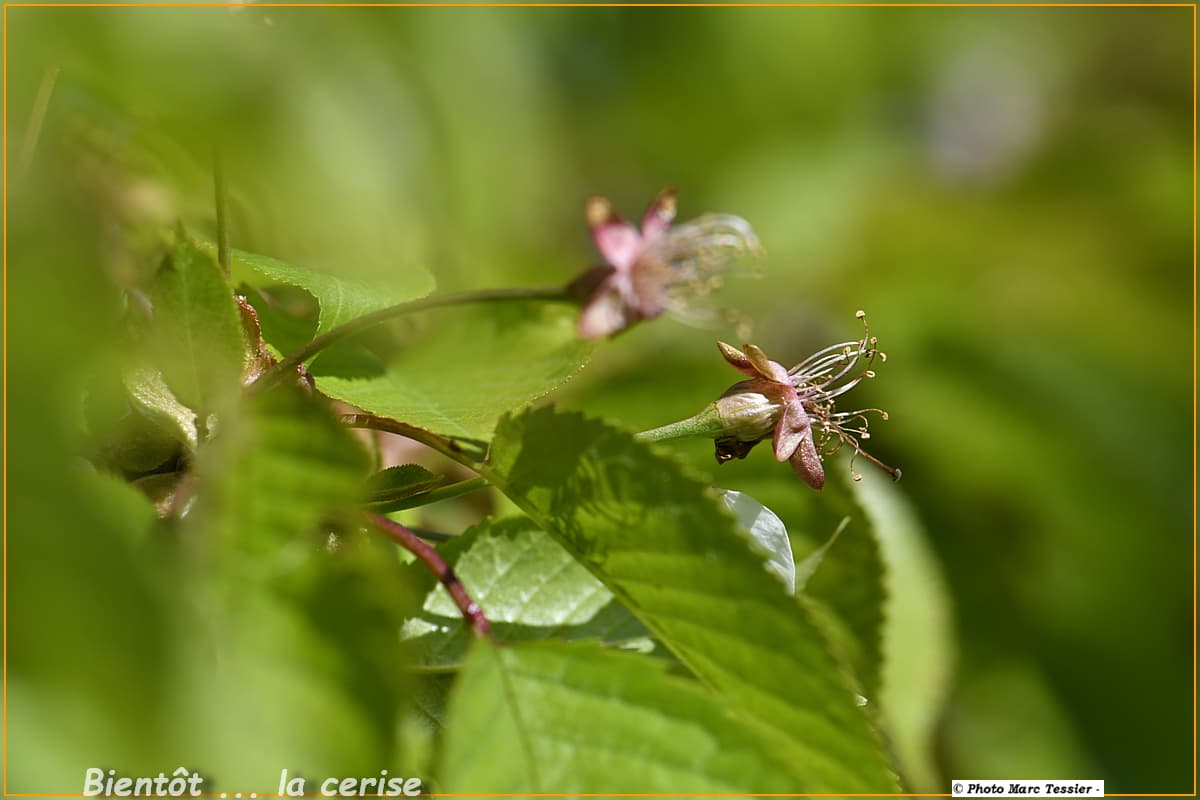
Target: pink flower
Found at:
793, 430
790, 404
656, 268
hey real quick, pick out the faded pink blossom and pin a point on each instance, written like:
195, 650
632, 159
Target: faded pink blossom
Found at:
793, 430
655, 268
797, 407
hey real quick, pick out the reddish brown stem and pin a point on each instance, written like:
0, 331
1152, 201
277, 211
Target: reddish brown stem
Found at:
431, 558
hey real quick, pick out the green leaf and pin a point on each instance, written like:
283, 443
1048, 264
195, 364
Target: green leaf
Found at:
85, 576
529, 587
849, 581
303, 623
1026, 726
277, 470
287, 315
134, 422
662, 543
118, 506
196, 334
468, 366
918, 637
403, 481
342, 299
421, 725
768, 531
429, 697
580, 719
811, 562
150, 397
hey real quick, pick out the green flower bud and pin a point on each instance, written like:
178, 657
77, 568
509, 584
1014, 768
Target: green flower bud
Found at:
746, 413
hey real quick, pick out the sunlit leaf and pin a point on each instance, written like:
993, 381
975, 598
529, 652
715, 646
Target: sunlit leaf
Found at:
341, 299
529, 587
768, 531
468, 366
853, 586
152, 399
665, 546
570, 718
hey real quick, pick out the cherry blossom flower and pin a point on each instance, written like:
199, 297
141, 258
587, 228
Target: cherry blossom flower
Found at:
797, 406
655, 268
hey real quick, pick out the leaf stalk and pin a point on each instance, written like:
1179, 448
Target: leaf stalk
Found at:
385, 505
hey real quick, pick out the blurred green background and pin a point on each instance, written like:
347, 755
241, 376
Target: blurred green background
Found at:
1006, 191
